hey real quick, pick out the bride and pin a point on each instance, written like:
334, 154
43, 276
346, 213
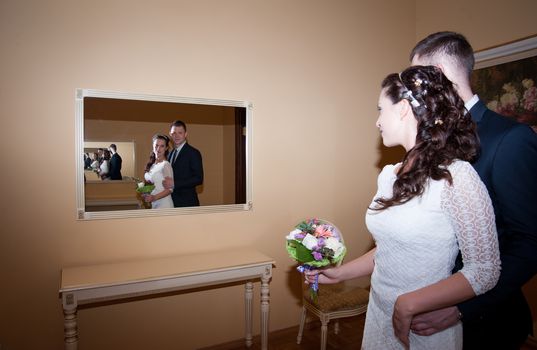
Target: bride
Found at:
426, 208
156, 170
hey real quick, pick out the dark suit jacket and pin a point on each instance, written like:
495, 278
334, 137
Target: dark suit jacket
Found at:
87, 163
115, 167
187, 174
508, 167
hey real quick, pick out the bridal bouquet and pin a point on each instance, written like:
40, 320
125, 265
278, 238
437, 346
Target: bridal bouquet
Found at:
315, 243
143, 189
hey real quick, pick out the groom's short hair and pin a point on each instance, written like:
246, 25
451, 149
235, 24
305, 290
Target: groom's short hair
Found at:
178, 123
452, 45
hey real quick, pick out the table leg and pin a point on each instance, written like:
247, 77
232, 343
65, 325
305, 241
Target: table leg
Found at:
265, 307
248, 296
70, 327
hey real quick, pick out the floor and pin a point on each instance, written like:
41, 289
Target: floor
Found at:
349, 337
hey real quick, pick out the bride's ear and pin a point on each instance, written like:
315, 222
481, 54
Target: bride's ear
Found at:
405, 110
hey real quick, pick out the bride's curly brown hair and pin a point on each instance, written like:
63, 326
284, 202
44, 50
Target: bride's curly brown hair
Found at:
446, 131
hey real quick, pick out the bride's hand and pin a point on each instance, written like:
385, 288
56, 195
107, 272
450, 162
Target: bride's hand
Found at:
326, 276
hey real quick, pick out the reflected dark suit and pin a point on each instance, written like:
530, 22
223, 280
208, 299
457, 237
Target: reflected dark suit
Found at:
115, 167
500, 318
187, 174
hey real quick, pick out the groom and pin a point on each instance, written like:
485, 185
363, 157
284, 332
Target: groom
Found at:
187, 168
500, 318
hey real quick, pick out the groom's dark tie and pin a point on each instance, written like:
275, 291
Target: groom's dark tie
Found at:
173, 155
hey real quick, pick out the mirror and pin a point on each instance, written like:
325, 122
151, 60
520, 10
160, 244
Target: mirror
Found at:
219, 129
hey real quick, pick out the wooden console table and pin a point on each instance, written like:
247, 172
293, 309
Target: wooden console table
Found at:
91, 284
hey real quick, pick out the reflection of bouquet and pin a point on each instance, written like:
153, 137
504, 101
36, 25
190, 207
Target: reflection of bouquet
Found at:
144, 188
315, 243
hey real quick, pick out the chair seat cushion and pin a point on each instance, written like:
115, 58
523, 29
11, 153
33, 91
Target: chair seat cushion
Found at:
332, 297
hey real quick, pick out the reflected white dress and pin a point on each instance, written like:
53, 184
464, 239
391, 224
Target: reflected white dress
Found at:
156, 175
417, 244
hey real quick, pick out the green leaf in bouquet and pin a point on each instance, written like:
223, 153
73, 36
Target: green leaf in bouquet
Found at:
291, 248
318, 263
145, 189
303, 254
298, 252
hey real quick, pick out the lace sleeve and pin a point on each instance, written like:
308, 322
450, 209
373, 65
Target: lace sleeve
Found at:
167, 170
471, 214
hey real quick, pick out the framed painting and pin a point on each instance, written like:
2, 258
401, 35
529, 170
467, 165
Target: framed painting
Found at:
505, 78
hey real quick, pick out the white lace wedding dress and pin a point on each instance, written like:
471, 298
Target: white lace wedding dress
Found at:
417, 244
156, 175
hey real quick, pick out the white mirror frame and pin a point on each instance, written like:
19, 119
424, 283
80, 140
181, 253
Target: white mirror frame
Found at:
82, 214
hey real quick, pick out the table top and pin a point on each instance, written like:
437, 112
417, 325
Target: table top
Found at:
81, 277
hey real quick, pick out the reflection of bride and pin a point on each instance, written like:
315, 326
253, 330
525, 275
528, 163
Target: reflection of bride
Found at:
156, 170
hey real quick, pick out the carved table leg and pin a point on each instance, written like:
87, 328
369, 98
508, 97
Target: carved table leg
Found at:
248, 296
70, 323
302, 323
324, 331
265, 307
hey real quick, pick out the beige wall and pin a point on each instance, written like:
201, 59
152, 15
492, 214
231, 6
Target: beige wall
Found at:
310, 68
485, 23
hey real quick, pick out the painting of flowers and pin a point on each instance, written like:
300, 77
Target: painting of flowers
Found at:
510, 89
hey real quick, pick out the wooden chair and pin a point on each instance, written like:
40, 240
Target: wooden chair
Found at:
333, 301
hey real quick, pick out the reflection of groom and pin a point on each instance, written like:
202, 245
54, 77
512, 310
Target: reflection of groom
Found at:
115, 163
187, 168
